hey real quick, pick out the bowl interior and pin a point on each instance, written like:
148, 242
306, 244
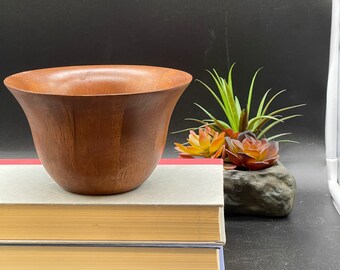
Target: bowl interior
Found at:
98, 80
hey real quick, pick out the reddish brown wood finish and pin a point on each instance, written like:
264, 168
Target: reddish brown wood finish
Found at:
99, 129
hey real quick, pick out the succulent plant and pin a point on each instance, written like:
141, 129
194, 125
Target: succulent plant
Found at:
231, 134
252, 153
238, 119
242, 135
207, 143
240, 140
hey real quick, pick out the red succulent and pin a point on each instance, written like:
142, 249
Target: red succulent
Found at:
231, 134
252, 153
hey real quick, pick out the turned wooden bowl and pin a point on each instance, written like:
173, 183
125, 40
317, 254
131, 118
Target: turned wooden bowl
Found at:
99, 129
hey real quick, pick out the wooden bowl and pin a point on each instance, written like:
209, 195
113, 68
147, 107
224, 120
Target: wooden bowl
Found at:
99, 129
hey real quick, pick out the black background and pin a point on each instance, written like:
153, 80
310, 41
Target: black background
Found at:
290, 39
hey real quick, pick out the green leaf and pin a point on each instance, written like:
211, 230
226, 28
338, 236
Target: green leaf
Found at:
219, 86
255, 119
226, 98
243, 121
271, 100
230, 79
204, 110
215, 127
250, 94
217, 76
259, 110
258, 125
196, 120
238, 107
277, 136
223, 94
214, 95
287, 108
233, 118
275, 123
288, 141
188, 129
221, 125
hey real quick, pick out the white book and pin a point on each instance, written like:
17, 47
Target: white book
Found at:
179, 203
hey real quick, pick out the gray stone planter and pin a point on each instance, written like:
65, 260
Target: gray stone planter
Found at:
269, 192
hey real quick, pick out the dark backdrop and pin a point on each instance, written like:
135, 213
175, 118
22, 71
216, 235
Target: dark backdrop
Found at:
290, 39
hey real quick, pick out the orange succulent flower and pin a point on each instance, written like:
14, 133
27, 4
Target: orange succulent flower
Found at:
252, 153
207, 143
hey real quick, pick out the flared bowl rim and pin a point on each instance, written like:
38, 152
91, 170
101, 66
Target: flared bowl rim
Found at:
12, 82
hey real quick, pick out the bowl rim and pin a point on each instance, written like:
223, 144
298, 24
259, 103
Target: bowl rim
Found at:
7, 81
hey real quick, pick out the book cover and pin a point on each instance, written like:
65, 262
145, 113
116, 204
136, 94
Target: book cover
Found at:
181, 202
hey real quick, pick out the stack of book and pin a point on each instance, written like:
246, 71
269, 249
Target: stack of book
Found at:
175, 220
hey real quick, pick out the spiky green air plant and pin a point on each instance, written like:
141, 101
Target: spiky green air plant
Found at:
207, 143
239, 119
251, 153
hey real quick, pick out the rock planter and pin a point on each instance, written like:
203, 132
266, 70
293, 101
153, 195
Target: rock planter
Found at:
268, 192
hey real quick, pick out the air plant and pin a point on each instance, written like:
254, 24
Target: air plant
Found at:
240, 140
238, 119
207, 143
252, 153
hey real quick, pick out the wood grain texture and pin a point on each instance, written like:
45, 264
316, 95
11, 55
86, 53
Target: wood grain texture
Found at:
99, 129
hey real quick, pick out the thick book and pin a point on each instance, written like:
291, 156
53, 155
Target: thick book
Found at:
122, 258
181, 202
